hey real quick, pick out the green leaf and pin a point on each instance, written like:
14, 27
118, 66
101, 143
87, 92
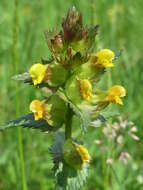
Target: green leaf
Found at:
76, 183
23, 77
118, 54
58, 75
69, 179
109, 114
57, 111
72, 90
56, 150
82, 114
28, 121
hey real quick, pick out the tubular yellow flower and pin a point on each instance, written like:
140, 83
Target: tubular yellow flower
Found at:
37, 107
85, 89
83, 153
37, 72
104, 58
115, 93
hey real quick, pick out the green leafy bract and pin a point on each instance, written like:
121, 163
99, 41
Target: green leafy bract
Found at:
67, 178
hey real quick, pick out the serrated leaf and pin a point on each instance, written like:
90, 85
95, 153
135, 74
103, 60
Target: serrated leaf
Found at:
28, 121
69, 179
109, 114
23, 77
76, 183
57, 146
101, 118
118, 54
56, 150
82, 114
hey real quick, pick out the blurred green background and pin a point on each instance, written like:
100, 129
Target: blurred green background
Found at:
121, 27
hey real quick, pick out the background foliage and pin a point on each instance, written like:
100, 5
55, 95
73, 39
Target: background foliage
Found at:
120, 28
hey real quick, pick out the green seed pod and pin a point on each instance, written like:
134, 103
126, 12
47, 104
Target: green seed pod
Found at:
79, 90
75, 155
57, 110
89, 71
58, 75
73, 90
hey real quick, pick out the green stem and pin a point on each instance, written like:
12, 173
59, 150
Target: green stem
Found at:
105, 172
15, 61
68, 124
93, 12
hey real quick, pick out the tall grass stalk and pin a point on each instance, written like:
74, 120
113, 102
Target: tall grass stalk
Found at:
15, 61
93, 13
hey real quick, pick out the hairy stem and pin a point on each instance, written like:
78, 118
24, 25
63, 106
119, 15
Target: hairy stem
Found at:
68, 124
15, 61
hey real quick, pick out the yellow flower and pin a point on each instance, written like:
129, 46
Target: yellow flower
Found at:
37, 107
37, 72
104, 58
86, 89
115, 93
75, 155
83, 153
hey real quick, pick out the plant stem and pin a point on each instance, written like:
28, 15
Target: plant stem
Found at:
15, 61
93, 12
68, 124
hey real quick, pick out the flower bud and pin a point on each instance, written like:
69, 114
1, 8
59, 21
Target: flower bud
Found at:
75, 155
56, 43
72, 25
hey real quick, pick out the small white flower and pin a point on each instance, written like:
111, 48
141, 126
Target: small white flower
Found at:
97, 141
124, 157
120, 139
135, 137
134, 129
109, 161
